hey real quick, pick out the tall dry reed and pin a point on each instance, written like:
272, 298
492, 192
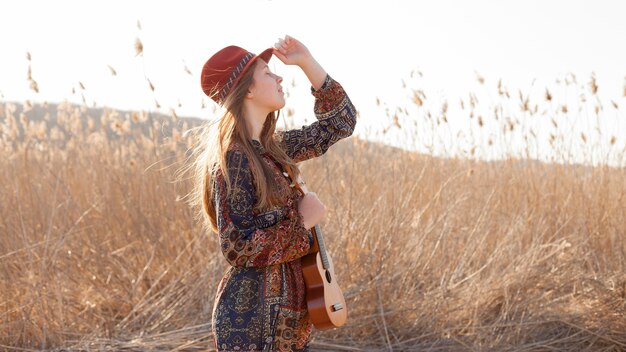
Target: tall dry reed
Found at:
98, 250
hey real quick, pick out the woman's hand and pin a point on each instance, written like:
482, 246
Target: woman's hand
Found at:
311, 209
291, 52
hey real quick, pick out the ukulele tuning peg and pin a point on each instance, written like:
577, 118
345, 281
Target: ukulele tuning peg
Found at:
286, 174
292, 185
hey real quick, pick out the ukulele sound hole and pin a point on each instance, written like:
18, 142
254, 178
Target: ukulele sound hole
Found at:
328, 276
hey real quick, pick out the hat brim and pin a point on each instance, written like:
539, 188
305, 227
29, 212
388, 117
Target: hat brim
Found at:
266, 55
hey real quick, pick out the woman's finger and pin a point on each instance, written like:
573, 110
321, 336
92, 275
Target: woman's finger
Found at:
283, 45
280, 55
279, 47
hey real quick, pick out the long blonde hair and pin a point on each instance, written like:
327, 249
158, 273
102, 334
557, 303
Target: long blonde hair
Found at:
209, 155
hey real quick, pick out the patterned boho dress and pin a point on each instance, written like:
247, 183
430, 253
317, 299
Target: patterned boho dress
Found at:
260, 303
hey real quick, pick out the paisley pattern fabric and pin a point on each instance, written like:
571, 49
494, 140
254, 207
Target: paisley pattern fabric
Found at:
260, 303
336, 120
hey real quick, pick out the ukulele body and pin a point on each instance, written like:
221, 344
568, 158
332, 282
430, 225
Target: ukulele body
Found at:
325, 301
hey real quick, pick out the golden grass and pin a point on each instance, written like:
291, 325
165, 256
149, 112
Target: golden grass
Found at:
98, 250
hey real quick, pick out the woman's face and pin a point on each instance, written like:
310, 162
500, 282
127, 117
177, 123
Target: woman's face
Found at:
266, 90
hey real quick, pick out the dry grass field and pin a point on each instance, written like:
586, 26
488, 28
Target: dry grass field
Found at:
98, 251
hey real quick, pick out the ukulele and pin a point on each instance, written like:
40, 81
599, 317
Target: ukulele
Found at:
324, 299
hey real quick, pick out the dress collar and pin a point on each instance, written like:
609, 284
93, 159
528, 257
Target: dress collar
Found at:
258, 146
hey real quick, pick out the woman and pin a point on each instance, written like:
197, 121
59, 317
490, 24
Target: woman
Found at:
264, 224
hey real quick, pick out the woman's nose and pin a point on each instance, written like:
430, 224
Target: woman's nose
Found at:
279, 79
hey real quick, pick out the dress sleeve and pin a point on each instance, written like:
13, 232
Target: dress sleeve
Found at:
255, 240
336, 119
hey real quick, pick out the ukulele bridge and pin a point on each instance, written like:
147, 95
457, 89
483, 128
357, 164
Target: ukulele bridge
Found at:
337, 306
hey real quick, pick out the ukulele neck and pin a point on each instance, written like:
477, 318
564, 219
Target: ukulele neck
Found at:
322, 248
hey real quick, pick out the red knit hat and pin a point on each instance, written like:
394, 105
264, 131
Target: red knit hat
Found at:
223, 70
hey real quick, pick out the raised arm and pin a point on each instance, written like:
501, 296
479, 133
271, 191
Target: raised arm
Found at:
336, 119
291, 52
333, 109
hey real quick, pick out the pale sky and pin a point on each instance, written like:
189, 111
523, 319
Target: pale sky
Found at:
368, 46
